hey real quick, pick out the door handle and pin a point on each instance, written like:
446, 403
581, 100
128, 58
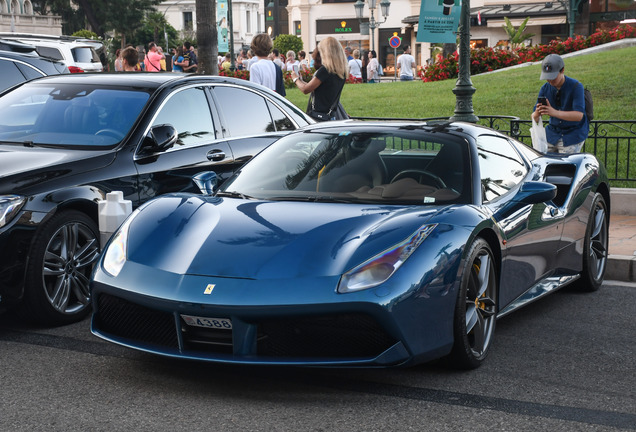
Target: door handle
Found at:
216, 155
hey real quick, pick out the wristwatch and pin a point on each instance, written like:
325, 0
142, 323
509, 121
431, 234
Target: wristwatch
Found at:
295, 79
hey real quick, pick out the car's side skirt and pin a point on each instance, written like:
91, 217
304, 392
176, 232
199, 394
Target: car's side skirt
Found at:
542, 288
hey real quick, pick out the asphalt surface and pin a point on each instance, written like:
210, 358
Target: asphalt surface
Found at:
564, 363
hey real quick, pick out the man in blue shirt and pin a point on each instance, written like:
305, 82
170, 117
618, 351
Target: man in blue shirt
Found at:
562, 98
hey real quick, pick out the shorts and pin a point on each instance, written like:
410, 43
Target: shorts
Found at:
561, 149
406, 77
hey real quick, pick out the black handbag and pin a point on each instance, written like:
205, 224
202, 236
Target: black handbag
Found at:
334, 113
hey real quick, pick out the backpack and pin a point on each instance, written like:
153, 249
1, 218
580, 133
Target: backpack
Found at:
589, 104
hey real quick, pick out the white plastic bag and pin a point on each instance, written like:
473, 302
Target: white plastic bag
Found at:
537, 133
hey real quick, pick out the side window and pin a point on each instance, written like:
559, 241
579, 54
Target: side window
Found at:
50, 52
10, 74
188, 112
244, 112
28, 71
281, 121
500, 166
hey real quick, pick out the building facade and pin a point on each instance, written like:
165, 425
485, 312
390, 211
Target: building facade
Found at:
17, 16
314, 20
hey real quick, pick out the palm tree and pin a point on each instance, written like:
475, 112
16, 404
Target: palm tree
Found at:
516, 36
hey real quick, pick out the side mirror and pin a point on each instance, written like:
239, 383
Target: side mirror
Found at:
536, 192
206, 182
159, 139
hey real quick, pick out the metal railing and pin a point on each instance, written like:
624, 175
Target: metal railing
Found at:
611, 141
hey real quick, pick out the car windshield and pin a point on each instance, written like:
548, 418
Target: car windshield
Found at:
399, 166
48, 114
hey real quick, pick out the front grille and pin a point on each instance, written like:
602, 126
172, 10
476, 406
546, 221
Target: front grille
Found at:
336, 336
122, 318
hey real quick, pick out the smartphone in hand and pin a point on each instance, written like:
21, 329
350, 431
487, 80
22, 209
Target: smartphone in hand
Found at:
543, 101
295, 68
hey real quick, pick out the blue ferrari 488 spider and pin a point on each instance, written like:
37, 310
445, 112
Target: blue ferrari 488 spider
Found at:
355, 244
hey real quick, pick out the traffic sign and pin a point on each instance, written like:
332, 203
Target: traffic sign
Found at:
395, 41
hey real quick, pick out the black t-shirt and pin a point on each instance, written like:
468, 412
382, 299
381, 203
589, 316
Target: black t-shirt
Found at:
326, 93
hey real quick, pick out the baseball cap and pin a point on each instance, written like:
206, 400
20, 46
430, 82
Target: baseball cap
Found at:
551, 66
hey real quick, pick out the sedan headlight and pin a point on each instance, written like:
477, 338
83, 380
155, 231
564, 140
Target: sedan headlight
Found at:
116, 253
10, 205
381, 267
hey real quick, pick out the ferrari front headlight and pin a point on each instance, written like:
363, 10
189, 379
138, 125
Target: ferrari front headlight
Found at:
10, 205
116, 253
381, 267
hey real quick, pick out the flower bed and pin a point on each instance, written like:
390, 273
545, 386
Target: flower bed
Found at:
489, 59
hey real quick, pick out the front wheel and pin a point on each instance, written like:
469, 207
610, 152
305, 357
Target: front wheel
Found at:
58, 273
476, 309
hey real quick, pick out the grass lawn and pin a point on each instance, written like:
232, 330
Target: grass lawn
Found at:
609, 75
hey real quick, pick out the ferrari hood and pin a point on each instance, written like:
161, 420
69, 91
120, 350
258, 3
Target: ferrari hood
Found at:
263, 239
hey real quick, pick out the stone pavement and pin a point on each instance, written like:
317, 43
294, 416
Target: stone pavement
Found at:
621, 265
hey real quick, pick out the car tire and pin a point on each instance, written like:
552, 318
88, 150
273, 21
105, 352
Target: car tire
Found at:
595, 247
476, 308
59, 269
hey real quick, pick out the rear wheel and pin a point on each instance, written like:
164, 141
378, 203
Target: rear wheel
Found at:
59, 270
595, 247
476, 309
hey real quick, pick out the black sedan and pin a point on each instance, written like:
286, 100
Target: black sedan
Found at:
66, 141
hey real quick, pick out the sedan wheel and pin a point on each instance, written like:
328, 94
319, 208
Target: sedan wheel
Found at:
476, 309
595, 247
57, 289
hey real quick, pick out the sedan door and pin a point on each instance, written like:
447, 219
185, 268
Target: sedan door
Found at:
251, 120
199, 147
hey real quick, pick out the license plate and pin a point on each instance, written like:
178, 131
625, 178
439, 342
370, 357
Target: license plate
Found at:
207, 322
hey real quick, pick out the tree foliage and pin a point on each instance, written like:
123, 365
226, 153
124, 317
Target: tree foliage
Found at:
287, 42
516, 36
122, 16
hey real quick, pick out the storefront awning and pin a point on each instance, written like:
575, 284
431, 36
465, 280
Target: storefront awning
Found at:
536, 21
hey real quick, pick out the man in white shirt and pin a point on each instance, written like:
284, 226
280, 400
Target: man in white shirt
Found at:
406, 63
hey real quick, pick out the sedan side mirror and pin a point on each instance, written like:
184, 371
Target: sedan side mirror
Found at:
159, 139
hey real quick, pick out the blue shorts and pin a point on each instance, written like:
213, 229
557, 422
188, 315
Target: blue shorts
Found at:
406, 78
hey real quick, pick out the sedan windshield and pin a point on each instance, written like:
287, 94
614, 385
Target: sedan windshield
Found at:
68, 115
398, 166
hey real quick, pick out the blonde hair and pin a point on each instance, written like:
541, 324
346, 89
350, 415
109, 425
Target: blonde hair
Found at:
333, 57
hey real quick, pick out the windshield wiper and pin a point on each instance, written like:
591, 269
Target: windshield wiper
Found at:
233, 194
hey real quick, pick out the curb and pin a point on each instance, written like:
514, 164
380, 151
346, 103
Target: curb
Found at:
622, 267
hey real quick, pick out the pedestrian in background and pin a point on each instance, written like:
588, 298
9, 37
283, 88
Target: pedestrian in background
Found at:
355, 66
563, 99
190, 56
291, 61
302, 58
365, 62
327, 83
263, 71
119, 65
153, 58
372, 68
406, 63
130, 59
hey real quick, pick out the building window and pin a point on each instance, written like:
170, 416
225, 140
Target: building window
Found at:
187, 21
248, 22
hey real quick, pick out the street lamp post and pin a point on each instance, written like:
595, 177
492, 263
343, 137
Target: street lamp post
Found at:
373, 24
464, 86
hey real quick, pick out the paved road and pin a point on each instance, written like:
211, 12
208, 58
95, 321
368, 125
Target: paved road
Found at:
565, 363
